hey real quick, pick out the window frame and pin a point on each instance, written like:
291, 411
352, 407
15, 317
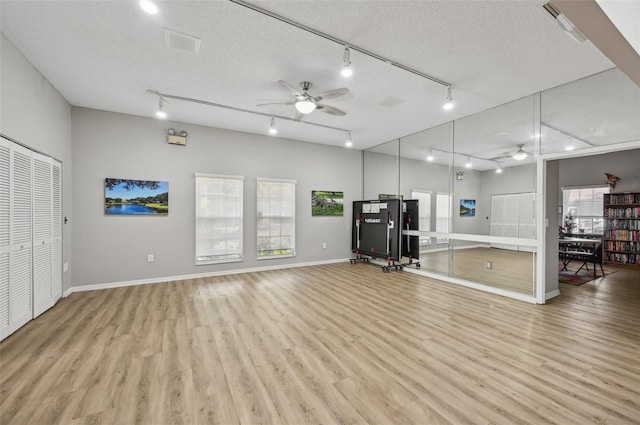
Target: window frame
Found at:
228, 257
292, 248
583, 218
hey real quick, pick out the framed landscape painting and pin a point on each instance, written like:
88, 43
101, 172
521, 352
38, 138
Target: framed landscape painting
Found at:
324, 203
136, 197
467, 207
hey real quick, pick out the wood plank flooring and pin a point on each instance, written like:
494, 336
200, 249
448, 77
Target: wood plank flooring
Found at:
512, 270
332, 344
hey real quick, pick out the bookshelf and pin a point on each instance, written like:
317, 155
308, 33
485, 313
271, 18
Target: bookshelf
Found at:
622, 228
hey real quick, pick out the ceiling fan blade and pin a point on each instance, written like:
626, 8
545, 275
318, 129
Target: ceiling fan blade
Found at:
284, 102
288, 87
331, 110
331, 94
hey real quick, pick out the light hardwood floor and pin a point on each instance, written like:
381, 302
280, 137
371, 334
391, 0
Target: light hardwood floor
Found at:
512, 270
327, 344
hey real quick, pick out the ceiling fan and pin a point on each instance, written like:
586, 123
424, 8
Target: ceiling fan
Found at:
306, 103
518, 155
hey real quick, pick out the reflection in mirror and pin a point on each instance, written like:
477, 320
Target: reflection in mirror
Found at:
380, 170
509, 268
494, 157
599, 110
425, 176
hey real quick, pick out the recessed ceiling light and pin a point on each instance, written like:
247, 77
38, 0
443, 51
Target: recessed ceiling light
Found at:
149, 7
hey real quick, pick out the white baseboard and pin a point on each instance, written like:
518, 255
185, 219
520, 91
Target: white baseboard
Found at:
98, 286
552, 294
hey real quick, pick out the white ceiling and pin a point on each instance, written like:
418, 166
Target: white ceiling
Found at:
107, 54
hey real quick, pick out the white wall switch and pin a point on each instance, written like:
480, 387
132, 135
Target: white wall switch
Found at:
150, 258
324, 245
65, 267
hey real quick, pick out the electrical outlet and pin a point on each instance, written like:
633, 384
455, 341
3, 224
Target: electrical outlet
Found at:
150, 258
324, 245
488, 265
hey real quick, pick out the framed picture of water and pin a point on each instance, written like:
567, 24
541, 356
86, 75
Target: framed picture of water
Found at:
135, 197
467, 207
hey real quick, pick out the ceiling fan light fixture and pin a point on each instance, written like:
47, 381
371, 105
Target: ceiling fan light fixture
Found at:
149, 7
346, 64
520, 154
305, 106
448, 104
272, 128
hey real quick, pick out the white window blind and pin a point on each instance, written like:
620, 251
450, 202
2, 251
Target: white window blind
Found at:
218, 219
275, 222
443, 206
424, 213
584, 205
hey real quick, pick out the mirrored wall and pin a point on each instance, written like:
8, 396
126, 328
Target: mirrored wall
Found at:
475, 178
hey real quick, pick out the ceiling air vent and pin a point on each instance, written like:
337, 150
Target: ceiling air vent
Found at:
564, 23
180, 41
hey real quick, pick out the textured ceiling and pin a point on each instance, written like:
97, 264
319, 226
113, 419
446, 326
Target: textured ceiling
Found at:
106, 54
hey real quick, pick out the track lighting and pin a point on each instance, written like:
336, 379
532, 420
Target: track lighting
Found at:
468, 163
448, 105
499, 169
346, 64
570, 146
161, 113
519, 155
348, 142
149, 7
272, 128
430, 157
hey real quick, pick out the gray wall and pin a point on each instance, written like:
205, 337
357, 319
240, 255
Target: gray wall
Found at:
111, 249
518, 179
589, 170
36, 115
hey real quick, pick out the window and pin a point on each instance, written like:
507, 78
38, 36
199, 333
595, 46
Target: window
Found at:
218, 219
583, 209
424, 213
276, 206
443, 205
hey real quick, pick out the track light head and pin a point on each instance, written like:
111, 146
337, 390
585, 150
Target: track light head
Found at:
346, 64
348, 142
272, 128
448, 104
468, 164
430, 156
499, 169
160, 113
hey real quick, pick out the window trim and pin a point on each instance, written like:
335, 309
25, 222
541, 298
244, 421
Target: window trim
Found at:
240, 255
293, 217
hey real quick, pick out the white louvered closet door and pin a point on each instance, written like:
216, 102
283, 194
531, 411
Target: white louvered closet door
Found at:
20, 288
56, 207
5, 232
42, 235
